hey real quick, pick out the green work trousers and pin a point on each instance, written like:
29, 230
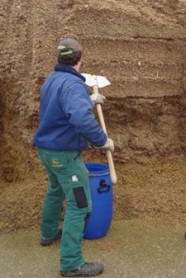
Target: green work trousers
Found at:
68, 180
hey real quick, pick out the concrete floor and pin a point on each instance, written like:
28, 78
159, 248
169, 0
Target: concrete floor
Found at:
131, 249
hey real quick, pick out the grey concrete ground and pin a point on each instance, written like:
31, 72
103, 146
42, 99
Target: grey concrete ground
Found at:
131, 249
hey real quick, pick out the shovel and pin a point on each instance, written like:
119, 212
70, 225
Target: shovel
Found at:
96, 82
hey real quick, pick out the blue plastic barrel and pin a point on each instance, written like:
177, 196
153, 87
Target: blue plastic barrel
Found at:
102, 201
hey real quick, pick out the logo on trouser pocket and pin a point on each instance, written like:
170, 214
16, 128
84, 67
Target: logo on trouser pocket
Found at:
55, 163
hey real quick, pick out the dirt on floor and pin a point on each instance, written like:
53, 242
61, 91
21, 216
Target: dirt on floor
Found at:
161, 248
140, 46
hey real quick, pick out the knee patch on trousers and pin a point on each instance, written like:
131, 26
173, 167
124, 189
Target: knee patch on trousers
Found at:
80, 197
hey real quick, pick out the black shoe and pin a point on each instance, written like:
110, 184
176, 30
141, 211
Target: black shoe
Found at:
86, 270
47, 242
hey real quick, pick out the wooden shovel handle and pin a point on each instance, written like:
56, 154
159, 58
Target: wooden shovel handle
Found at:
108, 152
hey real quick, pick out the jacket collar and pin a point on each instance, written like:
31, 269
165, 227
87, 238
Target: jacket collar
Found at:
69, 69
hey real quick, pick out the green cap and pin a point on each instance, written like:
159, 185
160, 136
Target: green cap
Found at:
68, 47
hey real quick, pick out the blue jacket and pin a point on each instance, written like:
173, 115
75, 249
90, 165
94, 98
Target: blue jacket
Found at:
66, 120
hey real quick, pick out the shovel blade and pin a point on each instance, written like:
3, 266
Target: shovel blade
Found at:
96, 80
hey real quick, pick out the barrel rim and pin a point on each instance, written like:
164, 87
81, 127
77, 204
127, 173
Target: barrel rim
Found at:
97, 169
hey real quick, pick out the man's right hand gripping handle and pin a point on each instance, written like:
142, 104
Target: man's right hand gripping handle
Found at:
109, 145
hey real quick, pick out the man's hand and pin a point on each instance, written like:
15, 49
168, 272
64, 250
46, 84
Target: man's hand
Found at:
97, 98
109, 145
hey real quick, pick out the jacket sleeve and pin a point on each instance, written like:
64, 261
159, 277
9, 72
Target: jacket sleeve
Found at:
77, 106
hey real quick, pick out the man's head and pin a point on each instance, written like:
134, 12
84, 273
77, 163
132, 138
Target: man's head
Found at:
69, 52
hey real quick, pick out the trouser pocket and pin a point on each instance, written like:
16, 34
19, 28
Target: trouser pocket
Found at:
80, 197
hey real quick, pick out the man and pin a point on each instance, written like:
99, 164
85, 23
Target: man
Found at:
67, 125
